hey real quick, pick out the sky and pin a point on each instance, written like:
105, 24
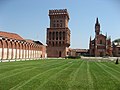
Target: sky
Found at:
29, 18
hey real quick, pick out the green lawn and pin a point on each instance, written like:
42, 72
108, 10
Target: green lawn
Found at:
59, 75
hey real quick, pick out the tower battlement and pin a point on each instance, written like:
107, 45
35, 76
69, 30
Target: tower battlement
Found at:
58, 12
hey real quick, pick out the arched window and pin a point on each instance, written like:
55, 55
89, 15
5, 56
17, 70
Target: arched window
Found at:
63, 43
63, 35
56, 43
53, 43
56, 35
57, 25
60, 24
101, 42
60, 43
60, 36
50, 35
54, 25
50, 43
53, 35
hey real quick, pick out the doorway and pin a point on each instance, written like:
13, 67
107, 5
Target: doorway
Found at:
101, 54
59, 53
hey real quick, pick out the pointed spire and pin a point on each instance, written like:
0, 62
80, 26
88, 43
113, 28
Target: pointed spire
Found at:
90, 38
106, 34
97, 21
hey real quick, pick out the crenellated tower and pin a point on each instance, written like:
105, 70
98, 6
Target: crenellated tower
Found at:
58, 35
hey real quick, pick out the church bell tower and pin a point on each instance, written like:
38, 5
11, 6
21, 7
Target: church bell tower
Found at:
97, 27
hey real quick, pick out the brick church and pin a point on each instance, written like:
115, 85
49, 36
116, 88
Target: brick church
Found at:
101, 44
58, 35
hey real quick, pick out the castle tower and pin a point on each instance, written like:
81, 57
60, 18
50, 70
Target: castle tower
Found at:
97, 27
58, 35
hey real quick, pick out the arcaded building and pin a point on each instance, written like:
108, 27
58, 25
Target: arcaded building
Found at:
13, 46
101, 45
58, 35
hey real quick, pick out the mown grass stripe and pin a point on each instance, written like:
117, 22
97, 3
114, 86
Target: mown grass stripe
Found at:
18, 73
60, 71
110, 68
90, 81
32, 78
12, 71
111, 74
74, 75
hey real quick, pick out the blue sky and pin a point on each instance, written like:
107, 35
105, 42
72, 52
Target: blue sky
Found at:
29, 18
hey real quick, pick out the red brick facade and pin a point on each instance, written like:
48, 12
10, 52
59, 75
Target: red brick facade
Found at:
101, 45
116, 49
58, 35
12, 46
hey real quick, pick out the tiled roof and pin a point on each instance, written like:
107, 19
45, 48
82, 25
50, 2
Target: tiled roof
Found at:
10, 35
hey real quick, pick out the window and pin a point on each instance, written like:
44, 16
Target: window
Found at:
60, 20
57, 25
56, 43
119, 49
100, 41
53, 43
53, 35
59, 43
50, 35
60, 35
63, 42
63, 35
60, 24
54, 25
56, 35
118, 52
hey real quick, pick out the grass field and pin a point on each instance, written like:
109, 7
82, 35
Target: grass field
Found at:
59, 75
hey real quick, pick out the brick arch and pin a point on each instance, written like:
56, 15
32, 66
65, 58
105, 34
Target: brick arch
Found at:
27, 49
37, 51
20, 52
10, 50
23, 53
14, 49
32, 50
17, 51
5, 49
1, 49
